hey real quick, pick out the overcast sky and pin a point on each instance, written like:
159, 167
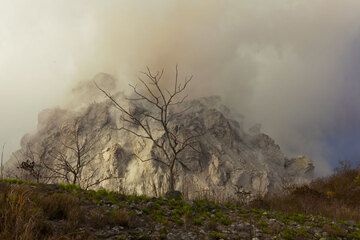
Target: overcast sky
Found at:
291, 65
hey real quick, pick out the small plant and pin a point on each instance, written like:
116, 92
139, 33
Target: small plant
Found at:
69, 187
217, 235
334, 230
357, 180
222, 218
354, 235
16, 181
146, 210
203, 205
177, 219
263, 224
61, 206
212, 225
163, 233
120, 217
138, 198
199, 220
159, 217
330, 194
103, 196
290, 233
299, 218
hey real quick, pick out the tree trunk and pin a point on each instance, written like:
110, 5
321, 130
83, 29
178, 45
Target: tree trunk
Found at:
172, 193
2, 162
171, 180
74, 179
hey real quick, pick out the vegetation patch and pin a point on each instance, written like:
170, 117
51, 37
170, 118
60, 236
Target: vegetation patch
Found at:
40, 211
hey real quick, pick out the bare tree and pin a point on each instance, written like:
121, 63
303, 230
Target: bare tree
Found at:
159, 112
2, 162
75, 155
32, 160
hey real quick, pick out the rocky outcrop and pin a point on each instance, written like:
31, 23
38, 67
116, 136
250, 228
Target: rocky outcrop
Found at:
231, 158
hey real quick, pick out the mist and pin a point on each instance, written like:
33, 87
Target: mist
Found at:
292, 66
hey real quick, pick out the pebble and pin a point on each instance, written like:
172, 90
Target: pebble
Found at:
138, 212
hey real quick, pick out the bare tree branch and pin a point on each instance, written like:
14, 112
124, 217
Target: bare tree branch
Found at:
2, 162
157, 113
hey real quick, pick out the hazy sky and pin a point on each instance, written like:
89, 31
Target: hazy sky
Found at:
291, 65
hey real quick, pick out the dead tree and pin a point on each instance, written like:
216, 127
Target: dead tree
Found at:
75, 154
2, 162
32, 161
154, 111
242, 195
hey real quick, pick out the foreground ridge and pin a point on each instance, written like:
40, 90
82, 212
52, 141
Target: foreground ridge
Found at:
39, 211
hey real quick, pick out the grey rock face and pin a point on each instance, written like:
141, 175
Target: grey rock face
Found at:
230, 159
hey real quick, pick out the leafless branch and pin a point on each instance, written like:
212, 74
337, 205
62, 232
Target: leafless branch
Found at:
159, 115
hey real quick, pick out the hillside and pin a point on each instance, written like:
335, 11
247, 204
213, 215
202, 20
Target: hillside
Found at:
228, 156
38, 211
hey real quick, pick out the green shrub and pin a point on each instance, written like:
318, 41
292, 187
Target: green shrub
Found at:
217, 235
16, 181
69, 187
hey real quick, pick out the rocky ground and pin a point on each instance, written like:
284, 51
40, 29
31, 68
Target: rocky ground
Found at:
67, 212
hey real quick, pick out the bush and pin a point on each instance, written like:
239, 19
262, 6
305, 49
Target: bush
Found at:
120, 217
336, 197
69, 187
60, 206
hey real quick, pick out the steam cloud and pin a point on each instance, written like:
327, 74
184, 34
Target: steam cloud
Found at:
291, 65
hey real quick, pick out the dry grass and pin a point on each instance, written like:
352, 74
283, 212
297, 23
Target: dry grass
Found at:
27, 213
98, 219
32, 212
19, 216
336, 197
120, 217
